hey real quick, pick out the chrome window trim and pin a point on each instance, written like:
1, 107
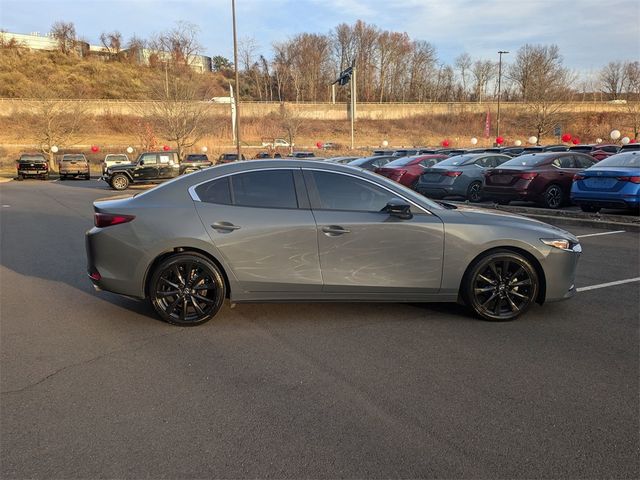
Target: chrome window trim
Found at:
195, 198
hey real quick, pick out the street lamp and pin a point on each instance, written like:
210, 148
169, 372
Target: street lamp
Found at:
500, 53
235, 67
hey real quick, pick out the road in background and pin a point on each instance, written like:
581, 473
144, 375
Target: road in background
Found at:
93, 385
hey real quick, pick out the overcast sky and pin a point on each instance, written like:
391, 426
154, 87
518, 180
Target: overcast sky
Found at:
589, 33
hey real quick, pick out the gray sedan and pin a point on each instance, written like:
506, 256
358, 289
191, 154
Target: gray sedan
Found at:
300, 230
459, 176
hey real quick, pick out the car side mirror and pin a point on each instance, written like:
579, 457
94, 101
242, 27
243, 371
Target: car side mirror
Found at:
398, 208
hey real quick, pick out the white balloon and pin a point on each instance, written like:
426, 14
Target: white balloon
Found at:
517, 143
474, 140
385, 143
625, 140
615, 134
533, 140
129, 149
598, 140
54, 149
204, 149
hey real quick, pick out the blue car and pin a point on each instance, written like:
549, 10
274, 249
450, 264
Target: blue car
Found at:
611, 183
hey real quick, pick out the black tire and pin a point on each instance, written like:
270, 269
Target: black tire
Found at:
589, 208
63, 177
503, 202
500, 286
187, 289
87, 176
119, 181
474, 192
553, 197
20, 177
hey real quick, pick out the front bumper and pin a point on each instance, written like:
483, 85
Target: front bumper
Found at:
560, 273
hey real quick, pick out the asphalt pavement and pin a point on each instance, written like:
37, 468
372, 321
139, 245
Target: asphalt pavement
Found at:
94, 385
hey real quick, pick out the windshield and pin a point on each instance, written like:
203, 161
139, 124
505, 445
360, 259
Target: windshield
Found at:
73, 158
362, 161
525, 161
456, 160
32, 158
116, 158
620, 160
197, 158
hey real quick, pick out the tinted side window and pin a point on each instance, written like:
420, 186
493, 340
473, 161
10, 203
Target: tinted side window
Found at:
216, 191
610, 148
485, 162
268, 189
342, 192
582, 162
564, 162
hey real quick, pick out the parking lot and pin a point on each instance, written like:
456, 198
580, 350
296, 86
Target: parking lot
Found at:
94, 385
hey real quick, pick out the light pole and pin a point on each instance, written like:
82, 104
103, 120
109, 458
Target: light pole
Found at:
235, 67
500, 53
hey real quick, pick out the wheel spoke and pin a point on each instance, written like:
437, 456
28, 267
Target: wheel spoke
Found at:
195, 304
203, 299
174, 285
486, 302
179, 276
183, 311
478, 290
167, 293
514, 277
493, 268
514, 307
173, 306
204, 286
522, 283
497, 309
505, 269
518, 294
482, 277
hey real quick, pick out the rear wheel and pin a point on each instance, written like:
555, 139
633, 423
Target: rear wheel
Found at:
119, 181
500, 286
589, 208
553, 197
474, 192
187, 289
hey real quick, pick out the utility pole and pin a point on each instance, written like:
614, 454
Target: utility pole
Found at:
235, 67
500, 53
353, 103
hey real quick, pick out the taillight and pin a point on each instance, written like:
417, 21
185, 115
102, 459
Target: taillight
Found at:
102, 220
452, 174
578, 176
629, 179
528, 176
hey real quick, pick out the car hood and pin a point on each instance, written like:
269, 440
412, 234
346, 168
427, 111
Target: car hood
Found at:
492, 216
122, 166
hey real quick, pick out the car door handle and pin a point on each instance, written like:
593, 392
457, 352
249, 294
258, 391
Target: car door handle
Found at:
225, 226
334, 230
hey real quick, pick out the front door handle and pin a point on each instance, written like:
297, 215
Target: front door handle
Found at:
334, 230
225, 226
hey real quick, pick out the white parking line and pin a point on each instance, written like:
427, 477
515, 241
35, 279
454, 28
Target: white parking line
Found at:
609, 284
598, 234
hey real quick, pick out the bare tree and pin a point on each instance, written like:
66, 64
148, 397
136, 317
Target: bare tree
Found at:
56, 121
65, 34
483, 71
613, 79
135, 49
463, 64
290, 124
179, 45
178, 112
112, 42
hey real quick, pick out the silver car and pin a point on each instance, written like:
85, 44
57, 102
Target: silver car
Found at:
301, 230
459, 176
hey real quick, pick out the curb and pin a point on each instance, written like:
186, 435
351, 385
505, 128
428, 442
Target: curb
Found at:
5, 179
569, 218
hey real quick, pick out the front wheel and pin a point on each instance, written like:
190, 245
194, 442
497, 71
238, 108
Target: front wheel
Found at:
119, 181
553, 197
500, 286
474, 192
187, 289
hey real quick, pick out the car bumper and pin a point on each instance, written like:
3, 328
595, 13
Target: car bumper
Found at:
508, 194
437, 192
560, 273
26, 173
606, 200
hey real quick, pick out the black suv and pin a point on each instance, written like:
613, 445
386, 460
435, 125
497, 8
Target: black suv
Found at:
150, 167
193, 162
32, 165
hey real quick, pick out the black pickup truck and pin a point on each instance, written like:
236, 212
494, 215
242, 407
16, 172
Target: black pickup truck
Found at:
32, 165
151, 167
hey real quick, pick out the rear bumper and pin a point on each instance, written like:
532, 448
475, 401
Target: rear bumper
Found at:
606, 200
493, 193
27, 173
437, 192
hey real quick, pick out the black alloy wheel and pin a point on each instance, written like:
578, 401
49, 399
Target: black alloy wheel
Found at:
501, 286
187, 289
474, 192
553, 197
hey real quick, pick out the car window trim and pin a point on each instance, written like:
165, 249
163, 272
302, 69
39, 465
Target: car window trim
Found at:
315, 200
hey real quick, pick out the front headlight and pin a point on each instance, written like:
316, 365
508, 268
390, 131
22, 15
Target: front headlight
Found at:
562, 244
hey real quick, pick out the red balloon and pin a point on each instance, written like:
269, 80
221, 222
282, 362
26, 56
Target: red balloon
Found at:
445, 143
633, 140
566, 137
575, 141
319, 144
95, 148
499, 140
166, 148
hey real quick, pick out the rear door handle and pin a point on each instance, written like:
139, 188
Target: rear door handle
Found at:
334, 230
225, 226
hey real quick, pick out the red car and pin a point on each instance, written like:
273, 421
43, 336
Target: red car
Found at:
407, 170
538, 177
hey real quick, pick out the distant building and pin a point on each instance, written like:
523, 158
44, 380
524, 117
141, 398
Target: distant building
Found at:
35, 41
